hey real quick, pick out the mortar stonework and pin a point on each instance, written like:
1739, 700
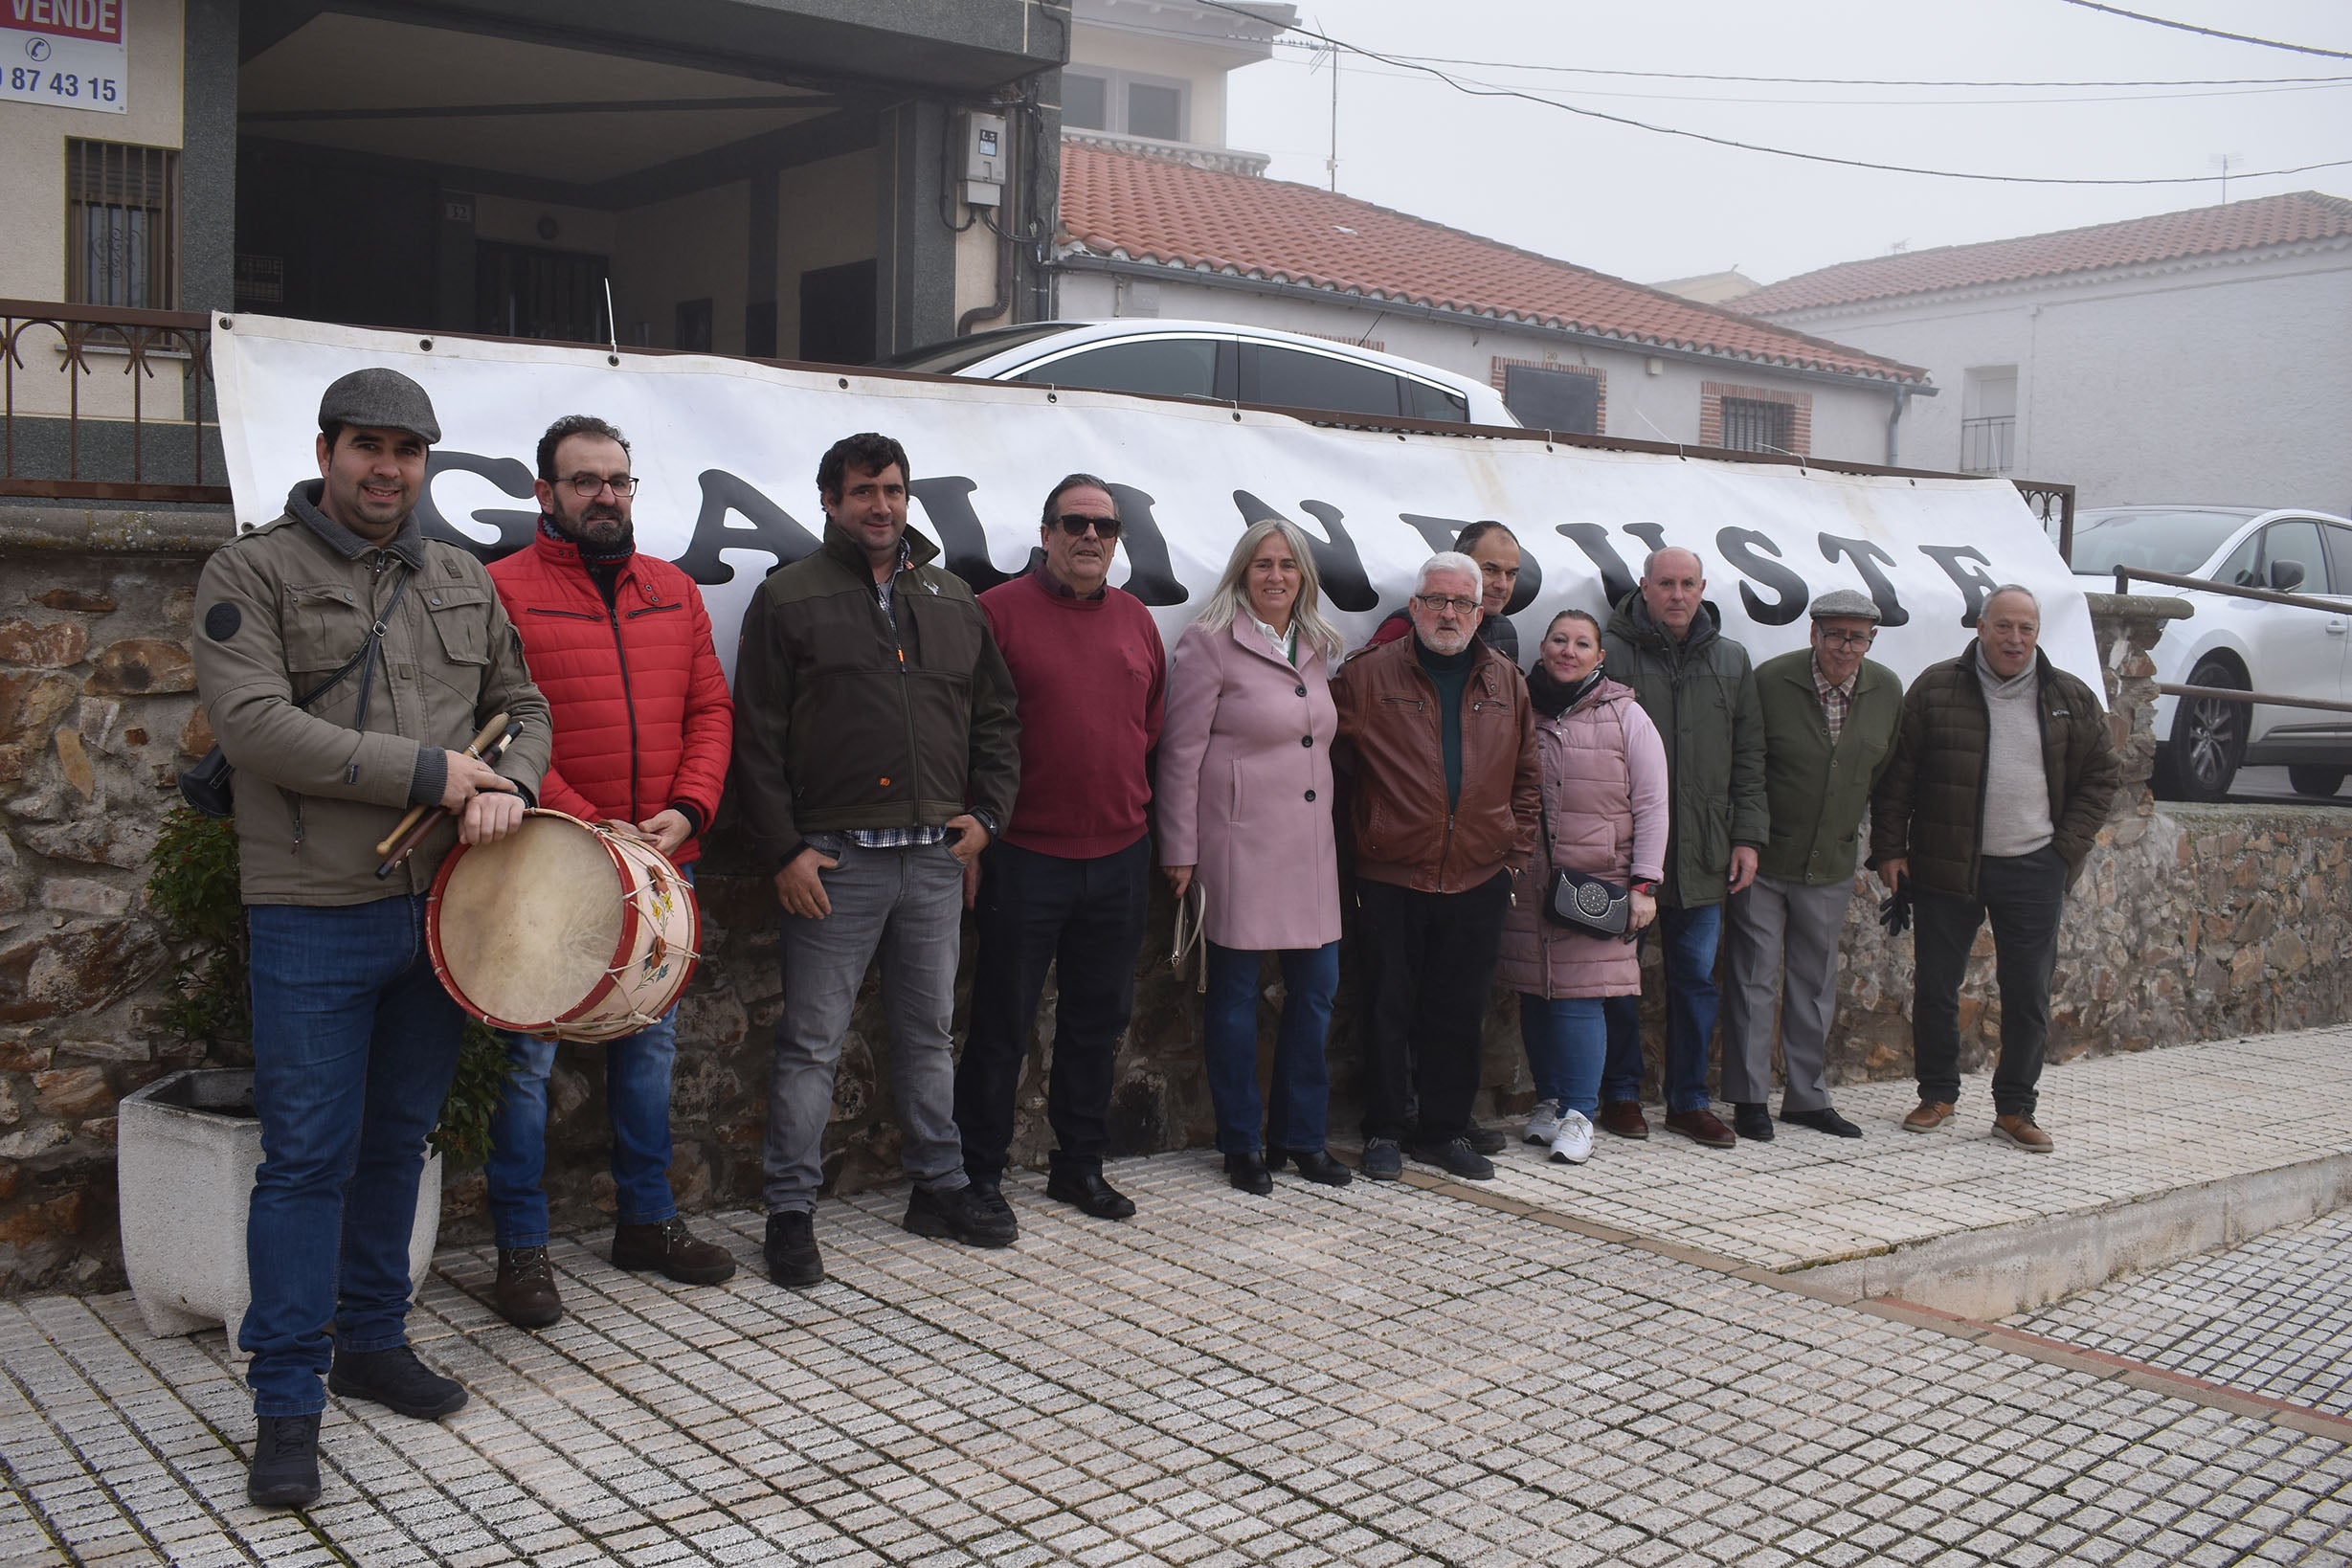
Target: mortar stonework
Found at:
2188, 923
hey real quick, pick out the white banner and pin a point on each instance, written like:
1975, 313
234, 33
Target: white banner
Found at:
727, 452
67, 53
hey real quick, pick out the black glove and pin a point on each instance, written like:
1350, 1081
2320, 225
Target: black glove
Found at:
1895, 909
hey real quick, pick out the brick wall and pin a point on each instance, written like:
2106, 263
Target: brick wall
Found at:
1711, 395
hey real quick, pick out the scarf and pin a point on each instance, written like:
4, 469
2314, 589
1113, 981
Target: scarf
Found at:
1552, 696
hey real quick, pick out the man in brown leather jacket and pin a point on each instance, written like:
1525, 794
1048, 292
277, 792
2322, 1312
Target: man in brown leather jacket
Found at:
1436, 745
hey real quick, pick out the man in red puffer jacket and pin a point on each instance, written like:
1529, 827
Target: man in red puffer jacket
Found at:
621, 644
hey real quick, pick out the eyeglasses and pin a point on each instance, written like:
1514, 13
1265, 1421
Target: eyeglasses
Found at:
588, 486
1440, 603
1848, 640
1076, 523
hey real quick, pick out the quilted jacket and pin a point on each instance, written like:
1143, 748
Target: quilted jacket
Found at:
642, 717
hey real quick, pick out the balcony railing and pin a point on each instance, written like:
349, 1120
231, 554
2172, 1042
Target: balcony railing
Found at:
100, 403
1989, 447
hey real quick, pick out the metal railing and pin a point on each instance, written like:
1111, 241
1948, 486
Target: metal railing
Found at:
123, 414
2126, 576
2054, 504
1989, 447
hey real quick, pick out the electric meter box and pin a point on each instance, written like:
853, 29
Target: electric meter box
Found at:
984, 159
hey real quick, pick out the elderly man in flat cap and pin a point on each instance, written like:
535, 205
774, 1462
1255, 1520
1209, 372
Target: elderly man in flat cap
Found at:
1831, 718
345, 661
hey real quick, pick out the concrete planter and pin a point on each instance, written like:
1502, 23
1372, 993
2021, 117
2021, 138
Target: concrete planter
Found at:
188, 1147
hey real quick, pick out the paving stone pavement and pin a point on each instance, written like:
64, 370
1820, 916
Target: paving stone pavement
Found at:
1385, 1374
2273, 1316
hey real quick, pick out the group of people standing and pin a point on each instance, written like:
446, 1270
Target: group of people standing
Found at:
900, 749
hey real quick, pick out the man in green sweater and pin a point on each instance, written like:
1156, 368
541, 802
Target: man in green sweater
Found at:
1831, 718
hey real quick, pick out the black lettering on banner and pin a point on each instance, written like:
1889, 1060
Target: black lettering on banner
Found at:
1441, 532
1616, 577
963, 541
510, 475
1752, 554
1975, 582
772, 529
1148, 575
1652, 536
1337, 566
1868, 558
1437, 531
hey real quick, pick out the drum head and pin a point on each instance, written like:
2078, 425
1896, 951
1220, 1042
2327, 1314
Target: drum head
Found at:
528, 926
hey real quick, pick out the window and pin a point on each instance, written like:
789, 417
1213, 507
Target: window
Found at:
1988, 419
2340, 557
1168, 367
1423, 401
1156, 112
1549, 399
1753, 426
1085, 102
2239, 570
1291, 378
2291, 545
122, 225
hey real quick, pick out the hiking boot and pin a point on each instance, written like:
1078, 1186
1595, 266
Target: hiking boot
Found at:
1624, 1118
789, 1250
955, 1215
1383, 1161
1928, 1116
2018, 1129
395, 1378
1455, 1157
668, 1247
525, 1294
285, 1462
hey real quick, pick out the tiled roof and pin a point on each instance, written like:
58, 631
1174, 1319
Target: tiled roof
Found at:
1144, 209
2202, 231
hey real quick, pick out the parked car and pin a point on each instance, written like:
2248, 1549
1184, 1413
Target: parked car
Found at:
2238, 643
1216, 362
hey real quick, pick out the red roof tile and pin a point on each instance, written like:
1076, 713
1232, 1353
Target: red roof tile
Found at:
2202, 231
1145, 209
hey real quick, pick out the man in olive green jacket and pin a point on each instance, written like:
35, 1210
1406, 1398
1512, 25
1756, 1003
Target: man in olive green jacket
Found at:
1665, 641
1831, 717
402, 651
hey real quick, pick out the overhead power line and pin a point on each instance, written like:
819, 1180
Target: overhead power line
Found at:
2212, 32
1865, 81
1475, 89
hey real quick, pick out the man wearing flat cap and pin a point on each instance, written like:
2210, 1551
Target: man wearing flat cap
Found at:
345, 661
1831, 718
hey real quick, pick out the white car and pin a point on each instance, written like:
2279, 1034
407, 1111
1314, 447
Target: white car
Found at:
1216, 362
2245, 644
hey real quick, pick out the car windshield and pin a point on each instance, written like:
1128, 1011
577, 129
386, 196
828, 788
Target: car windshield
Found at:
949, 358
2176, 542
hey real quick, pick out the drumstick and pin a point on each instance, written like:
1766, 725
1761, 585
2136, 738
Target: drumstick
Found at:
416, 834
473, 748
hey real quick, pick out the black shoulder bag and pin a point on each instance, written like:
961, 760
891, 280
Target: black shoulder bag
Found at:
207, 785
1589, 905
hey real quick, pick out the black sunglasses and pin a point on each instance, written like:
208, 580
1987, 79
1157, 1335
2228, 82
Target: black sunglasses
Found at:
1076, 523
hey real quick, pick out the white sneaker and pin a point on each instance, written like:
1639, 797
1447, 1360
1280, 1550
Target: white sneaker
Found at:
1543, 1123
1573, 1143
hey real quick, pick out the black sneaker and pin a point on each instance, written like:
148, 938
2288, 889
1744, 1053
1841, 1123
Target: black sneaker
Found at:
395, 1379
789, 1250
1383, 1161
956, 1215
1486, 1140
1456, 1158
987, 1201
285, 1462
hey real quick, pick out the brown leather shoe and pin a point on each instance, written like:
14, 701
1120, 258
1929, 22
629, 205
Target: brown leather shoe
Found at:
670, 1249
1701, 1127
525, 1295
1623, 1117
1928, 1116
2019, 1129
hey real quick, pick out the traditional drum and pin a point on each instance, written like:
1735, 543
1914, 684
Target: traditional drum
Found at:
563, 930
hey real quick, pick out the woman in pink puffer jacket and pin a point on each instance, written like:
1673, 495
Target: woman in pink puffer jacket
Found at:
1605, 807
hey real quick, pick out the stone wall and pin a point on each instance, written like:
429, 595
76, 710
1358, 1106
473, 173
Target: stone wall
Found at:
2188, 923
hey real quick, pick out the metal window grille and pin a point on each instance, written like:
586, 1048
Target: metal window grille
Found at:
1752, 425
122, 225
1989, 447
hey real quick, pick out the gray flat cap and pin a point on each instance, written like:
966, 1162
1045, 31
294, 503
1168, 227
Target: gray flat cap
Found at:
380, 399
1843, 604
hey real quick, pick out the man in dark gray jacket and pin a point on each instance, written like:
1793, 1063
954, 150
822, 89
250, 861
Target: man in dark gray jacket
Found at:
1697, 687
403, 653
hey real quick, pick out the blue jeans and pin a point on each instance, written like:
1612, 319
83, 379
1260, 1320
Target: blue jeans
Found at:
1300, 1093
637, 1099
1567, 1039
1690, 936
354, 1044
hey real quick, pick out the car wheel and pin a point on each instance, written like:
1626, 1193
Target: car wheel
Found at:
2208, 737
2319, 782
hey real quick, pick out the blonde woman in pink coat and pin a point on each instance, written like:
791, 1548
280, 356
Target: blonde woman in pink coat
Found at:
1244, 802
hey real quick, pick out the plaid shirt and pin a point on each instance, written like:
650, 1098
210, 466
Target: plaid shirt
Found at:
1837, 701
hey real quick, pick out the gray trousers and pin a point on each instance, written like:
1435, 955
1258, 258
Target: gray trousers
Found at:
1775, 928
908, 904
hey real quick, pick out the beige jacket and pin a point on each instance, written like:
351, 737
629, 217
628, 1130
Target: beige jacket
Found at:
278, 610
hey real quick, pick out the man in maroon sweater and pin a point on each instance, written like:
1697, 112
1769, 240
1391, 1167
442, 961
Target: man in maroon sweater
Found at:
1066, 881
